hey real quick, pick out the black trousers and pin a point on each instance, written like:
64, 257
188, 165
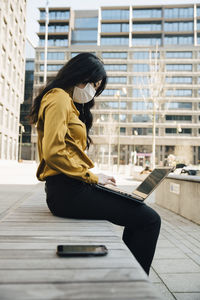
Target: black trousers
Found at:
71, 198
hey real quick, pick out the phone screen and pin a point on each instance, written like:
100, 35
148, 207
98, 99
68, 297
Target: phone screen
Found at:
81, 250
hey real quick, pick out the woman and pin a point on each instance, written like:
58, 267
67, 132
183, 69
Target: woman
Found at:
63, 117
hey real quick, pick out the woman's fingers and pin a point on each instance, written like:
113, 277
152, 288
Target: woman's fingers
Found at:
112, 181
105, 179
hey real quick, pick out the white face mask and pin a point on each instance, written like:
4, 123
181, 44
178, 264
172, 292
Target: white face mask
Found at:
84, 95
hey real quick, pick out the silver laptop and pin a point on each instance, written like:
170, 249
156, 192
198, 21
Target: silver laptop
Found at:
144, 189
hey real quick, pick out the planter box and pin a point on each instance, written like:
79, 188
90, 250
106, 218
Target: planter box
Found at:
180, 194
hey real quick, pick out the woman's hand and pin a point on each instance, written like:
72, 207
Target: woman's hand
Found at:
105, 179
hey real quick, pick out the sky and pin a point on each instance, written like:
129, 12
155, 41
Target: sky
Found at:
33, 13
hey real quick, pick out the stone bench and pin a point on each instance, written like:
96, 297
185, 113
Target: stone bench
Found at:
180, 194
30, 268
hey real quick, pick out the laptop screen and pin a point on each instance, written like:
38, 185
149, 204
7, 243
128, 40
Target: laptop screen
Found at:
152, 180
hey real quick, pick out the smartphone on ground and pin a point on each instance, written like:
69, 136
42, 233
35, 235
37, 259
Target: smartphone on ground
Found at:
81, 250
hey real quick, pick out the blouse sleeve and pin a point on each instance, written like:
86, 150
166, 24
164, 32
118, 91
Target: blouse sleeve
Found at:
56, 117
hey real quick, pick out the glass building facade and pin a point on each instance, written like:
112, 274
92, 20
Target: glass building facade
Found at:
25, 109
126, 39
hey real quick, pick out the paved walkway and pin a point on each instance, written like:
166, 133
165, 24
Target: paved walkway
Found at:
176, 267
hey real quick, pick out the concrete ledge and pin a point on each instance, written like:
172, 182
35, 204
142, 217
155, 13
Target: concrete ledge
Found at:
184, 177
180, 194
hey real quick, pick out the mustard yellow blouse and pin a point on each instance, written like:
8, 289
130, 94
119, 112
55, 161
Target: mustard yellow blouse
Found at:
62, 139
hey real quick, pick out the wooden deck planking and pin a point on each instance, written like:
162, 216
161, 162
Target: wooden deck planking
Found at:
30, 268
40, 245
30, 253
80, 291
73, 263
71, 275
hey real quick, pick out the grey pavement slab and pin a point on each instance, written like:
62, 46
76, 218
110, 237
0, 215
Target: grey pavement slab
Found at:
164, 243
187, 296
185, 282
177, 264
164, 291
185, 265
153, 276
169, 253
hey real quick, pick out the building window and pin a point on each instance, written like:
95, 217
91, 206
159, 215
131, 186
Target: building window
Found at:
150, 26
3, 62
5, 146
144, 131
115, 67
55, 15
182, 12
180, 67
4, 30
145, 40
54, 41
114, 55
55, 28
114, 41
179, 26
10, 147
11, 121
141, 105
141, 55
53, 55
86, 22
51, 67
178, 118
111, 92
137, 93
171, 130
119, 118
140, 68
141, 118
180, 54
179, 93
117, 79
175, 131
179, 40
115, 14
112, 105
198, 25
2, 86
0, 145
6, 118
122, 131
10, 40
178, 105
29, 65
147, 13
179, 80
9, 66
140, 80
117, 27
84, 36
7, 94
1, 114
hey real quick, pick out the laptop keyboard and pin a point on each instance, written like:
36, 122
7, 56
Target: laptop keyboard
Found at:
119, 190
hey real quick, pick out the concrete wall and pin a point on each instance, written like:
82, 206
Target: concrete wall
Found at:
180, 194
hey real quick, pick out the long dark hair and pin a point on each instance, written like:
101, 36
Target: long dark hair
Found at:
83, 68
